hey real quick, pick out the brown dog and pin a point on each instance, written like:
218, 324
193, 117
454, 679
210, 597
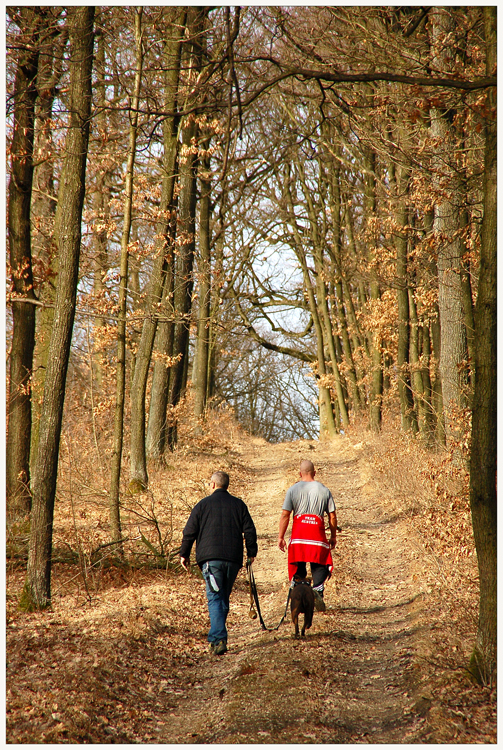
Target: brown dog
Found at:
302, 602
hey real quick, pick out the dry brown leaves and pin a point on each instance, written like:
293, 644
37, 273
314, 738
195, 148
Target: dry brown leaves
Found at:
120, 649
91, 674
89, 671
436, 489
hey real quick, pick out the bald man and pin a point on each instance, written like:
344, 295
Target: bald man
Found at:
309, 500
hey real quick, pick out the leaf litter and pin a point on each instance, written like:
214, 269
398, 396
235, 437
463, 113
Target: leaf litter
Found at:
122, 657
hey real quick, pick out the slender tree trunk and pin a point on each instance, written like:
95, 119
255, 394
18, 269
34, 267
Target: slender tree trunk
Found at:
328, 427
322, 295
186, 233
403, 366
37, 590
437, 408
437, 399
114, 500
415, 363
467, 302
484, 422
328, 336
428, 389
200, 375
218, 275
183, 270
23, 313
466, 284
101, 198
377, 378
346, 344
375, 344
359, 340
139, 476
335, 196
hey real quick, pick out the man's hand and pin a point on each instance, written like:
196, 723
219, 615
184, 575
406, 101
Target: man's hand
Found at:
332, 522
184, 563
283, 525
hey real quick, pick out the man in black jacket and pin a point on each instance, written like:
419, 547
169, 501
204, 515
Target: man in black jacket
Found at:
217, 525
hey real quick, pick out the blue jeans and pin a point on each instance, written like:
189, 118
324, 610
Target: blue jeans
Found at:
219, 576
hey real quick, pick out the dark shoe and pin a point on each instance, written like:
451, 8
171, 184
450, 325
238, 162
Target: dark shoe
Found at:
220, 648
319, 604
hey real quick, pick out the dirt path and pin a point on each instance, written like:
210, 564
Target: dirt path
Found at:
355, 676
124, 660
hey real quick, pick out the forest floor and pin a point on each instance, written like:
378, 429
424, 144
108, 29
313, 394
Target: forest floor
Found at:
128, 662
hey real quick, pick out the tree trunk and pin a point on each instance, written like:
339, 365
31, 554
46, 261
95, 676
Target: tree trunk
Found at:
416, 373
43, 209
200, 374
328, 426
101, 198
335, 199
447, 230
437, 399
23, 313
157, 429
114, 500
376, 382
377, 378
322, 298
466, 292
328, 336
37, 590
403, 366
183, 270
428, 389
484, 417
358, 338
186, 233
157, 418
164, 250
215, 299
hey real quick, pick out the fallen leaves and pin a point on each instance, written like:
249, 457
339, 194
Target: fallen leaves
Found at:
122, 666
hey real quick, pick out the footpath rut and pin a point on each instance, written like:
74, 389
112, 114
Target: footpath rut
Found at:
355, 677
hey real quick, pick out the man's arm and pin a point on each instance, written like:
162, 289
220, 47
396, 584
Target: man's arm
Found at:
190, 533
283, 525
250, 534
332, 522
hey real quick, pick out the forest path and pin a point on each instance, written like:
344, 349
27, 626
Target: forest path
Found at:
354, 678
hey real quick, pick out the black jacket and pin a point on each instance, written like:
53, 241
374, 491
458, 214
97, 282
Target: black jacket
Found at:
217, 525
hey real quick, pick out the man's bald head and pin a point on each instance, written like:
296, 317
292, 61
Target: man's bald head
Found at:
307, 467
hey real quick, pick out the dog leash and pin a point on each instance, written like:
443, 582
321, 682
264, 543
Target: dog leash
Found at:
252, 613
254, 600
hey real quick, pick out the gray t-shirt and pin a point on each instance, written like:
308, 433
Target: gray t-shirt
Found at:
309, 497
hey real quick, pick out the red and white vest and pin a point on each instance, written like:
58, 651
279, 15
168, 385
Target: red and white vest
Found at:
308, 543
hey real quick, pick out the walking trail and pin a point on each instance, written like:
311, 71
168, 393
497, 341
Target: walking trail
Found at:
355, 677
